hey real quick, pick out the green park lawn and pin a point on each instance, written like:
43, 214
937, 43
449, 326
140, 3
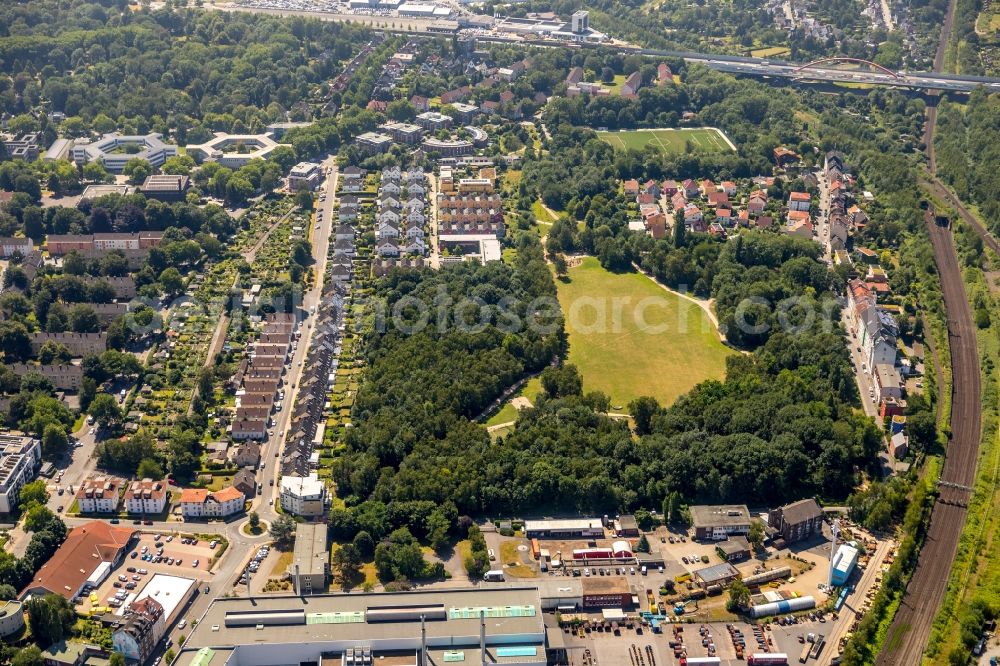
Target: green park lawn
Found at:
669, 141
629, 360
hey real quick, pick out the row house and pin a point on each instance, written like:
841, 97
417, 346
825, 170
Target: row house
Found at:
78, 344
10, 246
123, 287
64, 376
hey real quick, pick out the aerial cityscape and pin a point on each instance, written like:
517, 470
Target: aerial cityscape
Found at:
547, 332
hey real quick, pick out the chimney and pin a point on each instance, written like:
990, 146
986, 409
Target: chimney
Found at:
482, 638
422, 660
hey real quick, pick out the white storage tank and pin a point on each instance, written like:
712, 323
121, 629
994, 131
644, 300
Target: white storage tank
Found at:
787, 606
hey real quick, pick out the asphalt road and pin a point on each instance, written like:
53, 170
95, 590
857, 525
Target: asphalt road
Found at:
733, 64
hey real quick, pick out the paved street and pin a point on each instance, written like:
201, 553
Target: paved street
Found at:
854, 602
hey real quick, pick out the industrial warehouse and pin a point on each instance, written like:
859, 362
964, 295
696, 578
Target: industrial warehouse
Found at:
502, 625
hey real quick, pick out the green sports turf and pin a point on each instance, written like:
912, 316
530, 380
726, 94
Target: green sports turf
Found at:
706, 140
626, 360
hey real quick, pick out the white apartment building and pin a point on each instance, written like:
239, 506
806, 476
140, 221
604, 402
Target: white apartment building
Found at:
146, 496
98, 495
20, 458
200, 503
303, 495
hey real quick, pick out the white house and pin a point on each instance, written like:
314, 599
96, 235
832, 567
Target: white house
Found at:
303, 495
98, 495
799, 201
146, 496
200, 503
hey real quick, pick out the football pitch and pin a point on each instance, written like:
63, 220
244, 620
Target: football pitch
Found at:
667, 141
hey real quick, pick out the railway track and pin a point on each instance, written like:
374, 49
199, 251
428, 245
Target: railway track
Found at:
910, 630
911, 627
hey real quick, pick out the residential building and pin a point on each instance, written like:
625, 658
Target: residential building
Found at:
456, 95
83, 561
373, 142
877, 335
475, 185
448, 147
78, 344
146, 497
304, 495
247, 456
458, 214
252, 429
718, 522
305, 175
785, 157
200, 503
663, 74
10, 246
20, 458
99, 495
245, 482
796, 521
464, 113
310, 567
887, 382
100, 244
420, 103
434, 121
64, 376
632, 84
140, 629
405, 133
11, 617
165, 187
799, 201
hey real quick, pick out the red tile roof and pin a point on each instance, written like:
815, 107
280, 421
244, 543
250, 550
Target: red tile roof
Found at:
84, 549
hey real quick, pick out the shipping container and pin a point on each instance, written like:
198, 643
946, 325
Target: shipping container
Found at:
535, 549
765, 659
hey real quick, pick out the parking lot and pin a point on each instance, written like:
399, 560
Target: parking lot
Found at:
176, 555
730, 642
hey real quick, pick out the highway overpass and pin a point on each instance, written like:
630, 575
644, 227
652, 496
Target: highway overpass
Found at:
825, 70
